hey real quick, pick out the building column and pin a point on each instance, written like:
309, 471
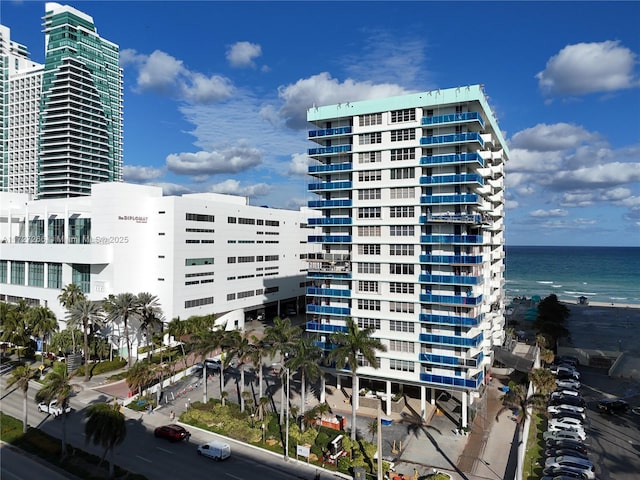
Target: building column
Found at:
338, 386
66, 225
323, 386
433, 396
26, 225
46, 275
46, 225
355, 391
423, 402
388, 409
26, 272
465, 407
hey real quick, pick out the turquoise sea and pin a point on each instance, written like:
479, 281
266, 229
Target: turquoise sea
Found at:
603, 274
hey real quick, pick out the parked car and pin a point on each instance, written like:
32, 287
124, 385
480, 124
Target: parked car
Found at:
566, 476
567, 400
556, 452
565, 391
215, 449
214, 363
563, 375
568, 383
172, 432
565, 407
557, 369
573, 462
567, 421
613, 406
566, 443
578, 431
570, 472
53, 408
567, 414
563, 435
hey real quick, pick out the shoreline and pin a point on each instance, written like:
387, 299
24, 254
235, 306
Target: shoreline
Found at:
602, 304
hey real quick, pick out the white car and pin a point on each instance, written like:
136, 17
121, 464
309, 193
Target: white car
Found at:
564, 407
215, 449
568, 383
52, 408
562, 435
566, 393
577, 431
585, 467
567, 421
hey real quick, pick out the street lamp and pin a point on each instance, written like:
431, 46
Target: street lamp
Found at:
286, 441
263, 428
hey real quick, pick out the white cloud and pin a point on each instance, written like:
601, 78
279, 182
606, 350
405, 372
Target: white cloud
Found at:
547, 138
607, 175
231, 160
169, 189
299, 164
322, 89
585, 68
555, 212
233, 187
242, 54
139, 173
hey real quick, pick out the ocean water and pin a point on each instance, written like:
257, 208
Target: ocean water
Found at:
603, 274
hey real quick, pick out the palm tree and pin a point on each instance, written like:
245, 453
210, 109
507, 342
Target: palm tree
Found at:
15, 325
258, 350
139, 376
350, 346
84, 313
20, 377
43, 323
262, 405
176, 329
282, 335
57, 387
306, 359
517, 399
543, 380
206, 341
106, 427
120, 308
70, 295
239, 348
150, 314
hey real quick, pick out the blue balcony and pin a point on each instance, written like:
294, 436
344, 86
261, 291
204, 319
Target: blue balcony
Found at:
329, 274
334, 167
331, 221
472, 218
466, 137
450, 279
452, 320
473, 362
329, 186
450, 299
452, 179
460, 198
465, 117
325, 345
329, 203
324, 327
329, 238
328, 292
329, 132
330, 150
311, 308
451, 341
452, 159
452, 239
451, 259
440, 380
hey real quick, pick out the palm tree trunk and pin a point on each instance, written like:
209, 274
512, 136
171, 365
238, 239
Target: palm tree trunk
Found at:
204, 381
260, 377
302, 389
127, 340
241, 387
222, 382
86, 351
282, 397
354, 402
24, 412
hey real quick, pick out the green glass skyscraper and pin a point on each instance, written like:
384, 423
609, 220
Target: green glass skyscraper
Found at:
81, 106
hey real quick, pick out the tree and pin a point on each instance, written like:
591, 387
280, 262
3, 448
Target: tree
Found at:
139, 376
517, 399
150, 314
206, 341
105, 427
350, 345
282, 335
551, 318
306, 359
16, 327
43, 323
57, 387
70, 295
239, 348
543, 380
85, 313
258, 350
121, 308
20, 377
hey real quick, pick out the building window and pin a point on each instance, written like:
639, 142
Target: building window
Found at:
364, 304
401, 212
401, 287
54, 275
199, 230
369, 249
367, 286
198, 261
401, 230
246, 293
369, 323
370, 175
406, 115
3, 271
401, 346
402, 173
271, 258
370, 194
403, 250
401, 326
231, 296
402, 192
198, 302
231, 220
403, 135
246, 221
36, 274
401, 268
369, 231
362, 361
398, 154
17, 273
370, 268
370, 119
248, 259
81, 276
401, 307
370, 157
231, 259
196, 217
401, 365
272, 223
369, 212
370, 138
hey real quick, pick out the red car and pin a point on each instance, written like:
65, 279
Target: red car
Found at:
174, 433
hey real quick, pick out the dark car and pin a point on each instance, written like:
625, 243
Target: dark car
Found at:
558, 452
567, 400
573, 445
565, 471
613, 406
173, 433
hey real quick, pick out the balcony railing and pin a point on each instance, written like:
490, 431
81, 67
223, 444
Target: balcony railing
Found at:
450, 299
334, 167
324, 327
452, 320
452, 138
453, 341
329, 274
450, 199
330, 221
329, 186
453, 381
329, 239
471, 218
452, 239
311, 308
450, 279
330, 150
473, 362
328, 292
327, 132
325, 345
452, 158
329, 203
451, 259
452, 179
454, 118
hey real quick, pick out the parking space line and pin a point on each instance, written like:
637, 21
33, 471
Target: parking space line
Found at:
145, 459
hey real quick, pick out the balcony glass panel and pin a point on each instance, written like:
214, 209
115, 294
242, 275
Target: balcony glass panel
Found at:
331, 150
455, 341
328, 292
453, 381
453, 138
450, 279
329, 203
329, 239
325, 345
323, 274
440, 359
450, 299
325, 327
336, 167
329, 186
331, 221
328, 310
451, 259
452, 158
453, 239
327, 132
440, 199
446, 179
472, 218
453, 118
452, 320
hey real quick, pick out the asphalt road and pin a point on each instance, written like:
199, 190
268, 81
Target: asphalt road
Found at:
18, 466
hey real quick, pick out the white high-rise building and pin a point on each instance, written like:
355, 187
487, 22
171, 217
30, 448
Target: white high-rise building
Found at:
20, 86
411, 196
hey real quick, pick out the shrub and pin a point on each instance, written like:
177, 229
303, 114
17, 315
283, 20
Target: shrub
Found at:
107, 366
322, 440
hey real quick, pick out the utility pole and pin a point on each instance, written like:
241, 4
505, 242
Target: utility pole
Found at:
379, 427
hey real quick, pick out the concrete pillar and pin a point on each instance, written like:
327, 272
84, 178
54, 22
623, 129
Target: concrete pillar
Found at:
388, 410
338, 386
323, 386
423, 402
66, 224
46, 225
355, 389
465, 408
433, 396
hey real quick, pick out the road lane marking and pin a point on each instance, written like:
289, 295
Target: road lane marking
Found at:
145, 459
166, 451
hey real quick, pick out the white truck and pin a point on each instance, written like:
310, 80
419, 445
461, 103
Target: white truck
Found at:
52, 408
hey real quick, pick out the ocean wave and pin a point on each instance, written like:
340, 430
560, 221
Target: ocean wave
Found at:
556, 286
579, 293
544, 282
619, 298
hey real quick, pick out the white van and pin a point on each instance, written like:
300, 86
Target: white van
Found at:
215, 449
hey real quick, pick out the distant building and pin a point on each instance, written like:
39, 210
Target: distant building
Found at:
199, 253
411, 195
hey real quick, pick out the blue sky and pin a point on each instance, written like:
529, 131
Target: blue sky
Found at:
216, 93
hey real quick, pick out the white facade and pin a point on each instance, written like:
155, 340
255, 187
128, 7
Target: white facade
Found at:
21, 83
411, 192
199, 253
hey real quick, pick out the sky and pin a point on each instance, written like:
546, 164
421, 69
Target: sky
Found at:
216, 94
